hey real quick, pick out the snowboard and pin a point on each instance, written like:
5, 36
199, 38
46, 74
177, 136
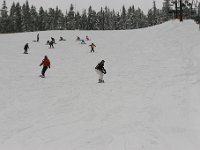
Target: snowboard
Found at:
41, 76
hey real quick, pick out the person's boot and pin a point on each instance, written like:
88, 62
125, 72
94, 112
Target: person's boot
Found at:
100, 81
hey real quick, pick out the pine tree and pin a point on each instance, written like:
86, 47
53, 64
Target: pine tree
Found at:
34, 19
107, 19
198, 14
41, 19
12, 18
154, 13
140, 19
131, 23
117, 19
71, 18
77, 21
166, 10
91, 20
83, 22
50, 25
123, 18
4, 22
100, 19
26, 17
18, 18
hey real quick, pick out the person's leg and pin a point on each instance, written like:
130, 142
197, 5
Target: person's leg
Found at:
100, 75
44, 69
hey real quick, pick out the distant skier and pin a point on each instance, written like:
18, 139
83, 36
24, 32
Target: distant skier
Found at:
83, 42
62, 39
51, 44
38, 37
87, 38
26, 47
92, 47
100, 70
78, 38
46, 64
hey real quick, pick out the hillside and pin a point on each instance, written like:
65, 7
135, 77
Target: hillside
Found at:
149, 101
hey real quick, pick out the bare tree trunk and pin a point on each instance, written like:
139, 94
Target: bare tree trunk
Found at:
181, 10
176, 9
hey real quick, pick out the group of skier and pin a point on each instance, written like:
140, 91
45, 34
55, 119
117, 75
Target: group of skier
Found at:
100, 70
92, 45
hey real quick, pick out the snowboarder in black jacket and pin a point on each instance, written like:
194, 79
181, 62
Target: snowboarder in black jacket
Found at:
26, 47
100, 70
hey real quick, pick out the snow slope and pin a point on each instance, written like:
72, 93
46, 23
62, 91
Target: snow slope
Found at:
150, 100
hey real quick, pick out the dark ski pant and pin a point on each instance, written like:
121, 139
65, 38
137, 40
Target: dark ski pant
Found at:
92, 50
44, 69
51, 45
25, 50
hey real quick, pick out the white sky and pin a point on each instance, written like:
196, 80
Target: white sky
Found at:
84, 4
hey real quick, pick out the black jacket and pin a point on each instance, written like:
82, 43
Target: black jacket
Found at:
100, 67
26, 47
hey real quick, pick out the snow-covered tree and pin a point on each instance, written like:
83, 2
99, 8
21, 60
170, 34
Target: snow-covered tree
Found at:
18, 18
166, 10
34, 19
71, 18
91, 19
41, 19
4, 22
26, 17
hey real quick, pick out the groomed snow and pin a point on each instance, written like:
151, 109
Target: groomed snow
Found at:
149, 101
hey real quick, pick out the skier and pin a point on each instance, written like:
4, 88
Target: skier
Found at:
83, 42
87, 38
100, 70
38, 37
26, 47
92, 47
46, 64
51, 44
78, 38
62, 39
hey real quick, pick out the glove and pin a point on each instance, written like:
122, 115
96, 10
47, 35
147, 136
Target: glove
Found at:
104, 71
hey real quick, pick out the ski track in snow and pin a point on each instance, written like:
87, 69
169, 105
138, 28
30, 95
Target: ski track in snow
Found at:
149, 101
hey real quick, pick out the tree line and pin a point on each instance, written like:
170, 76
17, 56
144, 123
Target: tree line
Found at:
25, 18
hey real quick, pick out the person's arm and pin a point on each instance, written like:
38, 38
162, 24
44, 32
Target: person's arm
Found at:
41, 63
49, 64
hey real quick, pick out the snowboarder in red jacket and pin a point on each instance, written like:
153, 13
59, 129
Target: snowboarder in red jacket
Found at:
46, 64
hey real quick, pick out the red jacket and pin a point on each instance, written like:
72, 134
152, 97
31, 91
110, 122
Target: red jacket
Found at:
45, 62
